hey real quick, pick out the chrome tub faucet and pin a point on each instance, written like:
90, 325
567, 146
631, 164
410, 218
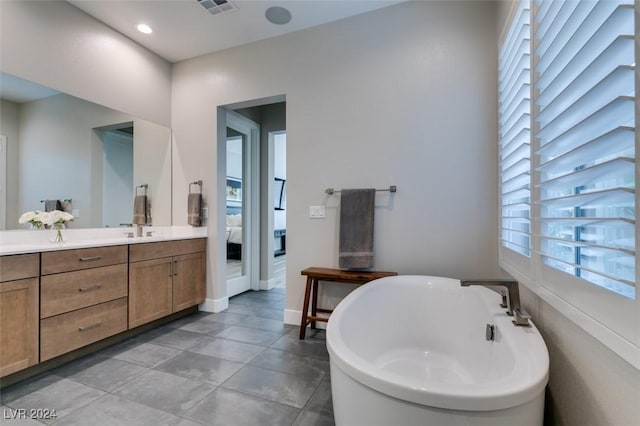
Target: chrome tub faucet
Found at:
510, 298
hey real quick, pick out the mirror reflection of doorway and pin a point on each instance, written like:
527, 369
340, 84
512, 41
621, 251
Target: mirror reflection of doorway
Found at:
242, 199
279, 141
117, 176
235, 161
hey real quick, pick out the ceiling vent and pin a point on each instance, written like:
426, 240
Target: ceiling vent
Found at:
215, 7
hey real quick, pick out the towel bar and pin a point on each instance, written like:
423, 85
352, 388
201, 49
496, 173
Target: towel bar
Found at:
332, 191
66, 200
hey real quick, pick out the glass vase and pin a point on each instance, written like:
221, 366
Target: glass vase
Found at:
58, 237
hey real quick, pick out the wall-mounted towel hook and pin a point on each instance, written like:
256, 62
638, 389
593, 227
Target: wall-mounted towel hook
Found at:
391, 188
197, 182
143, 186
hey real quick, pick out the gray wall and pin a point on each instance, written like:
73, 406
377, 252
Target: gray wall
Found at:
9, 128
402, 96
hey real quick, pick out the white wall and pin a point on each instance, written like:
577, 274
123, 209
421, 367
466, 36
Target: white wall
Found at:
60, 157
59, 46
152, 166
402, 96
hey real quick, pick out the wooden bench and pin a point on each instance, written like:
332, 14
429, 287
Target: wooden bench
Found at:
314, 275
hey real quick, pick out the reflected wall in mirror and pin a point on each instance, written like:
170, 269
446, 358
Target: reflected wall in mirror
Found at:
59, 147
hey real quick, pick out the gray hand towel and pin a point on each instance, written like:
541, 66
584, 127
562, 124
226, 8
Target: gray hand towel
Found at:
194, 207
51, 205
356, 228
141, 210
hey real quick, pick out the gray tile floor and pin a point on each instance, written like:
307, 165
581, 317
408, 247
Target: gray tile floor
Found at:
239, 367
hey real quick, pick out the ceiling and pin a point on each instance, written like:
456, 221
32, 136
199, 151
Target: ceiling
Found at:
184, 29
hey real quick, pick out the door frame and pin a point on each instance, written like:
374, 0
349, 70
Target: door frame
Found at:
3, 182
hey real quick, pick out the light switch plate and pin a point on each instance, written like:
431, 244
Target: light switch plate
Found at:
316, 212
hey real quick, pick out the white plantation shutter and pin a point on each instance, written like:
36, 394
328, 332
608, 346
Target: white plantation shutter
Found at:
585, 84
515, 134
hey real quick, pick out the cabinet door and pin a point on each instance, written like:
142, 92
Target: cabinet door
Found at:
18, 325
188, 280
150, 291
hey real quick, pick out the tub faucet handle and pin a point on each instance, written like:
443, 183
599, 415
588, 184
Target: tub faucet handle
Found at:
521, 317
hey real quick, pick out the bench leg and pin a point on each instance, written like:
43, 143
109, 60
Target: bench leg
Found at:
314, 303
305, 308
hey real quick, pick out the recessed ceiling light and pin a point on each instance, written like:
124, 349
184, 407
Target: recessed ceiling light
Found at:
278, 15
144, 28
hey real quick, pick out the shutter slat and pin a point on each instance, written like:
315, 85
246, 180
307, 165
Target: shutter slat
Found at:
558, 158
619, 167
576, 102
618, 113
620, 51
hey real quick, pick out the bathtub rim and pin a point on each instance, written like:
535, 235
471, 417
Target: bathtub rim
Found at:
462, 397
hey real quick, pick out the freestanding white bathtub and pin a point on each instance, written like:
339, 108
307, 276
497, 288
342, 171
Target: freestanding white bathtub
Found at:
412, 350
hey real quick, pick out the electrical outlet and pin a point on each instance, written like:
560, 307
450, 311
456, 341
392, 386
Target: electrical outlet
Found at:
205, 212
316, 212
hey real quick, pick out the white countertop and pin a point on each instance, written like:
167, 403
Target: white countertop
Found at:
28, 241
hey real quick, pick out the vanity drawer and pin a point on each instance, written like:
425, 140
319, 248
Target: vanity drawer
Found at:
19, 266
54, 262
69, 291
146, 251
66, 332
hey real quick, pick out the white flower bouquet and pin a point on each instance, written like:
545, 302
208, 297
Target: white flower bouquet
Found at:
35, 218
57, 218
53, 219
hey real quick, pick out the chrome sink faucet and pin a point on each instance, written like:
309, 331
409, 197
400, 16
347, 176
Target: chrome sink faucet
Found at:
139, 230
510, 300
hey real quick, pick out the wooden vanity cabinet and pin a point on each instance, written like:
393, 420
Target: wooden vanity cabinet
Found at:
165, 277
83, 297
19, 297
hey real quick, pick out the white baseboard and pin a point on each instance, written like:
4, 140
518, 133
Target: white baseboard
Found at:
267, 284
214, 305
293, 317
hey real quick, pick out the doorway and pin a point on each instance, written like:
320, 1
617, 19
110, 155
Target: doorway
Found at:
247, 189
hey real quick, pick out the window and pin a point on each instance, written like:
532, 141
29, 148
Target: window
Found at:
585, 136
515, 133
567, 161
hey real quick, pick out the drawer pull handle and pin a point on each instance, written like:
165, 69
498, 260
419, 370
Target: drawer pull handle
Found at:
89, 259
93, 287
90, 327
175, 265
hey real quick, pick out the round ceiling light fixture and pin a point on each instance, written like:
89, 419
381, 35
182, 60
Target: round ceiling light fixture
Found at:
278, 15
144, 28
